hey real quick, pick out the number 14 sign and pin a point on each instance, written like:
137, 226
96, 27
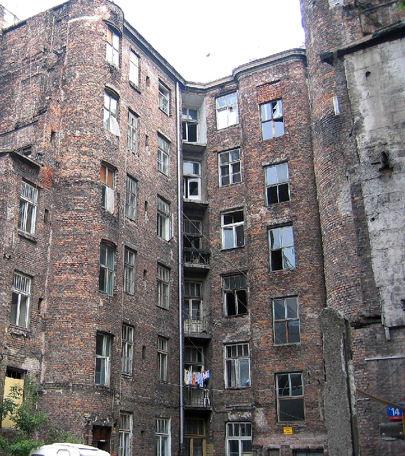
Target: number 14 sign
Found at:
394, 412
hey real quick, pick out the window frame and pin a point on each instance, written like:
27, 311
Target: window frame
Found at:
106, 270
133, 132
191, 298
163, 437
286, 320
127, 349
131, 197
106, 356
277, 184
234, 292
190, 178
129, 270
28, 199
227, 108
189, 120
234, 227
235, 363
19, 292
134, 68
112, 48
272, 120
281, 248
230, 163
125, 434
164, 98
163, 155
111, 115
108, 191
290, 397
162, 358
163, 286
239, 438
163, 220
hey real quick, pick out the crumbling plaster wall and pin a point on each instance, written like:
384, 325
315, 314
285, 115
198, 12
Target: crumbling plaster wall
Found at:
376, 86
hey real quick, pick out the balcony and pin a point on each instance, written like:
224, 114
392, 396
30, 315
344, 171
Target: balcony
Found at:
196, 328
197, 398
196, 258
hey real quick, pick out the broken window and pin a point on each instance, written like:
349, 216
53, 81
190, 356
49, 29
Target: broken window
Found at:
107, 269
20, 300
282, 252
164, 98
133, 136
233, 230
272, 120
235, 295
111, 113
237, 366
290, 397
163, 286
125, 434
190, 124
107, 179
227, 110
129, 271
163, 155
163, 219
131, 197
229, 167
239, 439
163, 437
286, 323
192, 234
162, 354
113, 48
134, 68
192, 180
277, 183
28, 208
127, 349
103, 359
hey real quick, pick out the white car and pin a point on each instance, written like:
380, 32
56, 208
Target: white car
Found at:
68, 449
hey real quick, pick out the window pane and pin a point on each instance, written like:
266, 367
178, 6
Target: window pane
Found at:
283, 385
265, 111
240, 238
228, 238
280, 336
278, 128
224, 158
296, 384
267, 130
293, 331
283, 193
276, 260
271, 175
287, 239
22, 321
230, 304
272, 195
288, 258
291, 409
291, 304
275, 239
244, 373
282, 172
279, 310
242, 302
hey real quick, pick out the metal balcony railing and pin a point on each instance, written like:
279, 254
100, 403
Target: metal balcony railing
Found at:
195, 397
196, 257
195, 326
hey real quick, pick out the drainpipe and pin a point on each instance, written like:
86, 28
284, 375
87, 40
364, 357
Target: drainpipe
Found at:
180, 263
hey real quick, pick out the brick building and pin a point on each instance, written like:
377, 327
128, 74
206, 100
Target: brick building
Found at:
169, 248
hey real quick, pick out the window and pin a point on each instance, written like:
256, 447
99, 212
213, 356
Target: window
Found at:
163, 155
107, 179
131, 197
232, 230
107, 269
113, 48
282, 252
190, 124
271, 115
239, 439
227, 110
192, 301
163, 286
162, 358
111, 113
133, 136
235, 295
127, 353
28, 208
192, 234
192, 180
286, 323
134, 68
277, 183
290, 397
129, 271
14, 380
237, 366
103, 359
125, 434
20, 300
163, 219
164, 98
229, 168
163, 437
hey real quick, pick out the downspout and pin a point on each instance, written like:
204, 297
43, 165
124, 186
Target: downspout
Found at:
180, 263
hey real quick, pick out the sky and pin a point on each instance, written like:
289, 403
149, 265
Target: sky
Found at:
203, 40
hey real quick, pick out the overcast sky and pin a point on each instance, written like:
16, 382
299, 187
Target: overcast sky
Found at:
203, 40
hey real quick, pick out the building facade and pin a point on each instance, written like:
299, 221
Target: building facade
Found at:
193, 268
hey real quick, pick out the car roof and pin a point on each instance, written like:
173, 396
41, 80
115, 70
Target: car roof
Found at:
83, 450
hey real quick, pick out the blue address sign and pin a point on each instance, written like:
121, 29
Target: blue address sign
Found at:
394, 411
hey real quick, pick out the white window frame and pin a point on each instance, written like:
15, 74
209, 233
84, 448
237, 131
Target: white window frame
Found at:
163, 437
112, 52
163, 155
131, 196
127, 349
129, 270
134, 68
234, 291
28, 205
133, 132
125, 433
21, 290
275, 107
105, 356
164, 98
225, 107
286, 320
107, 187
233, 227
163, 223
240, 432
229, 165
279, 231
107, 268
162, 358
189, 119
163, 286
191, 178
290, 396
235, 363
110, 116
279, 180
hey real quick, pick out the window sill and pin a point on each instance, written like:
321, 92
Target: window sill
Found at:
237, 388
231, 185
228, 127
291, 344
134, 86
112, 66
105, 388
127, 376
233, 248
286, 271
29, 237
18, 331
163, 174
164, 112
236, 316
273, 138
163, 308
